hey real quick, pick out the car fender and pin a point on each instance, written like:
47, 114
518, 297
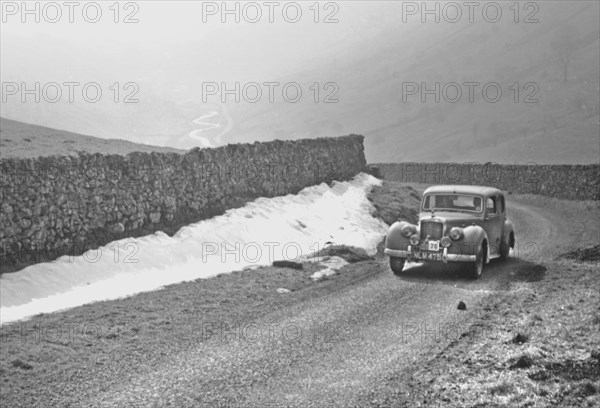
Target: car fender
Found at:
395, 239
473, 238
506, 231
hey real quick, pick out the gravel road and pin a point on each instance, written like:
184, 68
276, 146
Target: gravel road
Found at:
334, 350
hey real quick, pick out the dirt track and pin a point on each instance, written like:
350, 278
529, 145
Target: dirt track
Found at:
373, 329
346, 342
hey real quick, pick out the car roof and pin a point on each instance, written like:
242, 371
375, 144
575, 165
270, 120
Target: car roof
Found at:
450, 188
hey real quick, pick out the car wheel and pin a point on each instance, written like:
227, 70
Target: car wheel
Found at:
505, 248
396, 265
476, 268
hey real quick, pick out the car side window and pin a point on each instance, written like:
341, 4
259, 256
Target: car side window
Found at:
491, 205
426, 201
501, 201
477, 204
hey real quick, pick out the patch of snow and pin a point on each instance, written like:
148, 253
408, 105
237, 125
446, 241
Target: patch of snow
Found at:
332, 265
264, 230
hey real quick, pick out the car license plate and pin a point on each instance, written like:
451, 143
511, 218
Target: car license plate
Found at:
433, 246
428, 256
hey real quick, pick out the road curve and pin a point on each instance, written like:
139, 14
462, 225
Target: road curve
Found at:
211, 141
334, 350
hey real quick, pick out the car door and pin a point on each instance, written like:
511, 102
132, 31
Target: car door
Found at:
493, 222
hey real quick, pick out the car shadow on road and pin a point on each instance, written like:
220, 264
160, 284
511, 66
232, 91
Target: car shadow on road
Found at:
456, 274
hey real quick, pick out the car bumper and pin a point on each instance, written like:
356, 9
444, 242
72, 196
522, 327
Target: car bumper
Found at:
443, 255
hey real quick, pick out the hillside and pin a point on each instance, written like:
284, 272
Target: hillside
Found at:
368, 55
23, 140
561, 127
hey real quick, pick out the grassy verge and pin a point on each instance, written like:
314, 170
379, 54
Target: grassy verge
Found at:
394, 200
533, 344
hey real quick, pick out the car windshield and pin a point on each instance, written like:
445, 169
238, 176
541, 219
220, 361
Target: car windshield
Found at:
452, 202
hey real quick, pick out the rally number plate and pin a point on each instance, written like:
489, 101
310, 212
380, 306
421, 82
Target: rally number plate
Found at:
433, 246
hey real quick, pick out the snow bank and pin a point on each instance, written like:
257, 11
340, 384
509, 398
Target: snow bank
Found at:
264, 230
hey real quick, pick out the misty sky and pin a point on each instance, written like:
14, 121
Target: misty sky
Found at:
51, 51
369, 49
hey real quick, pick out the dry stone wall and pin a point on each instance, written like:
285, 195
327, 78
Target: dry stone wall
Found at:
52, 206
574, 182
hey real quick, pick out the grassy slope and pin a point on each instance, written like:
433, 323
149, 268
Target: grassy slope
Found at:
535, 343
23, 140
561, 128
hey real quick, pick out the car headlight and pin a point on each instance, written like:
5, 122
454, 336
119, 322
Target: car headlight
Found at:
456, 233
445, 242
407, 230
414, 240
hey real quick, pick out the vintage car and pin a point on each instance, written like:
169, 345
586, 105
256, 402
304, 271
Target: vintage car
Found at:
456, 224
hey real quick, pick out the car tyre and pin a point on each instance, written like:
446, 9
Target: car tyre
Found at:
476, 268
505, 248
397, 264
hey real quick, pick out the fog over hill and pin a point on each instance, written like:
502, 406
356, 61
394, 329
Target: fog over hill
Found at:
373, 65
23, 140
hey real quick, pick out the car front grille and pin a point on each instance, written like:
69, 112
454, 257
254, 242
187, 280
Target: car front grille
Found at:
432, 228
